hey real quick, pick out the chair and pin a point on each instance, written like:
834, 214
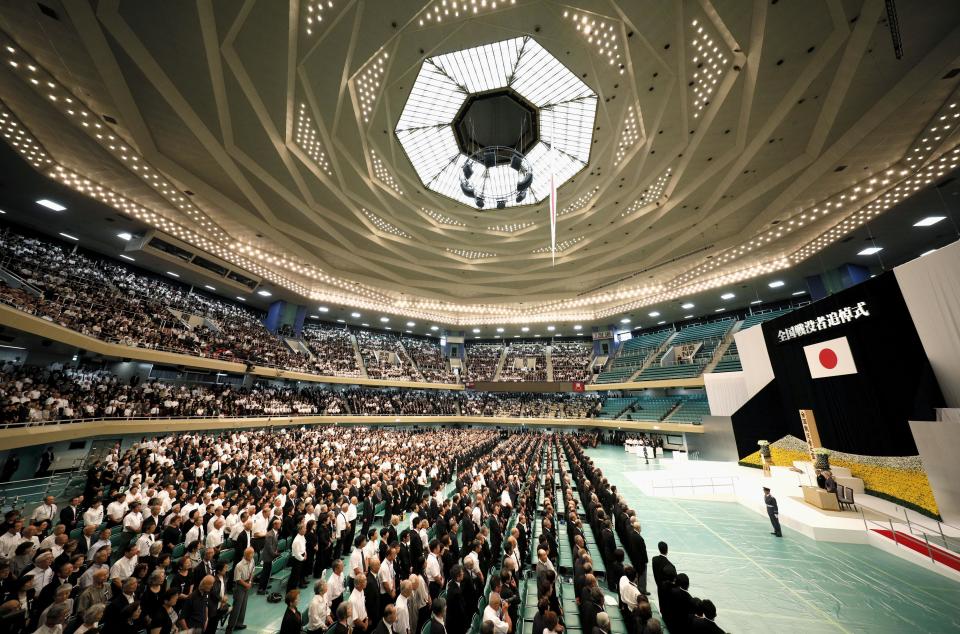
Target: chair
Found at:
225, 555
178, 551
76, 533
427, 628
279, 570
845, 496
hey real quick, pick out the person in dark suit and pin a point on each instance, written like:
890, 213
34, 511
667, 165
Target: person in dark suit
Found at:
385, 626
439, 616
773, 511
658, 563
196, 612
244, 540
87, 539
371, 593
10, 467
70, 513
268, 554
457, 618
637, 550
43, 466
615, 570
291, 616
706, 624
343, 619
681, 605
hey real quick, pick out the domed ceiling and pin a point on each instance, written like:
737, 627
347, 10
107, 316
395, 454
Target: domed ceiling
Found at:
726, 139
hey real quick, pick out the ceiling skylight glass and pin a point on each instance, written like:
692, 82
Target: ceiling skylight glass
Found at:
565, 108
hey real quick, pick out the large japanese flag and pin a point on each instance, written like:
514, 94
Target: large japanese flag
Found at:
830, 358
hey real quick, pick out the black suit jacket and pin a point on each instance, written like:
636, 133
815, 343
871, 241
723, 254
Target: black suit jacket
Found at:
700, 625
371, 596
68, 517
456, 609
382, 628
657, 565
436, 627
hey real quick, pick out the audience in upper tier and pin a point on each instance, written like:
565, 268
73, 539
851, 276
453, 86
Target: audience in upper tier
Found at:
31, 395
112, 302
571, 361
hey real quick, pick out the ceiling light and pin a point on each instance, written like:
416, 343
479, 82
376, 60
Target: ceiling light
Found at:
126, 257
516, 336
537, 335
49, 204
384, 319
686, 306
661, 322
476, 337
525, 329
928, 221
340, 321
567, 109
208, 287
578, 327
355, 315
387, 328
654, 314
242, 299
172, 274
551, 328
125, 236
776, 284
500, 329
411, 324
799, 293
409, 332
756, 301
927, 252
688, 316
434, 328
727, 296
69, 237
264, 293
870, 251
625, 320
2, 212
314, 316
719, 310
324, 309
476, 330
365, 325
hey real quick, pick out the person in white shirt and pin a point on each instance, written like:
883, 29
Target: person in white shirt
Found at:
147, 537
387, 577
492, 613
93, 516
629, 592
356, 557
10, 540
196, 532
434, 570
318, 612
298, 555
402, 624
123, 568
335, 586
116, 509
215, 535
358, 608
46, 511
42, 572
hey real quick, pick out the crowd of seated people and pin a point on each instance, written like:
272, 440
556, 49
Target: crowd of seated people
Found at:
31, 395
571, 361
506, 404
626, 568
525, 362
428, 357
482, 360
113, 303
180, 533
384, 357
369, 402
332, 349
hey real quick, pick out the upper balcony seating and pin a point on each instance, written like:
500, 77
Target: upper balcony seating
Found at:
633, 354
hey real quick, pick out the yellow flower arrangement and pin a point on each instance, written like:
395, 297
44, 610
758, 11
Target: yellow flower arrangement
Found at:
908, 486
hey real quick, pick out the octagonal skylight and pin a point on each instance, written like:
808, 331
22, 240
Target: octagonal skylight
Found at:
565, 112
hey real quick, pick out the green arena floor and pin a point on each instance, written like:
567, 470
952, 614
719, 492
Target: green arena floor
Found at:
795, 584
760, 583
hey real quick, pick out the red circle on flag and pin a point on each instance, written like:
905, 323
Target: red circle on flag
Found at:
828, 358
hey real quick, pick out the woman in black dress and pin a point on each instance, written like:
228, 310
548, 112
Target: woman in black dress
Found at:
182, 581
291, 617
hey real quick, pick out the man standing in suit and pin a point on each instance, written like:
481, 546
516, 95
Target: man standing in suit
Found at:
773, 511
371, 592
638, 554
70, 513
268, 554
659, 563
385, 626
439, 610
455, 621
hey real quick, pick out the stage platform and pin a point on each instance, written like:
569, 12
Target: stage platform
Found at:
828, 573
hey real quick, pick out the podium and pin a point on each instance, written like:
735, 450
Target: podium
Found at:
820, 498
